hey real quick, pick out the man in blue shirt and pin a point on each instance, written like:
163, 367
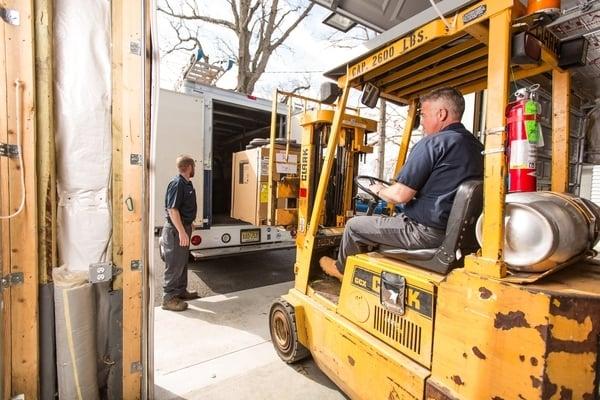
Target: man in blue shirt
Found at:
180, 209
447, 155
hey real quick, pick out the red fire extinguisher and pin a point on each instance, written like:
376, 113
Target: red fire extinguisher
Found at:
524, 136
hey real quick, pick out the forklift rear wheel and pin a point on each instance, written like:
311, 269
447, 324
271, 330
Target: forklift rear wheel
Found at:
284, 333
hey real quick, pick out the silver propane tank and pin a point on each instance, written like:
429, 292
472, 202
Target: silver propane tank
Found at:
545, 229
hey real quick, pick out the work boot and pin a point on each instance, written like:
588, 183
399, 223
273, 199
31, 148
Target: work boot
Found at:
328, 265
174, 304
189, 295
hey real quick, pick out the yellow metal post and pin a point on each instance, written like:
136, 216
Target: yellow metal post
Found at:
271, 187
491, 262
561, 96
406, 135
288, 128
305, 251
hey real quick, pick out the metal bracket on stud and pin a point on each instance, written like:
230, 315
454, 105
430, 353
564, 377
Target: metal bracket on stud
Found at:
9, 150
136, 367
136, 159
16, 278
135, 47
136, 265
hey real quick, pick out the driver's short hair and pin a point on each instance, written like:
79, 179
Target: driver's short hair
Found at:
184, 161
452, 98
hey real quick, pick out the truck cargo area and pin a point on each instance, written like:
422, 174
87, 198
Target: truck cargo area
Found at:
234, 127
210, 125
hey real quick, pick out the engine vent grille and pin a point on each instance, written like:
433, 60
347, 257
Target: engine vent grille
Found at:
402, 331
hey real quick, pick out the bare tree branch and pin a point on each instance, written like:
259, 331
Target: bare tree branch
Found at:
169, 11
234, 11
261, 26
350, 40
293, 26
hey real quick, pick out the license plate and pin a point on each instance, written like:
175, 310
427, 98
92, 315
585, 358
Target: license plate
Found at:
250, 236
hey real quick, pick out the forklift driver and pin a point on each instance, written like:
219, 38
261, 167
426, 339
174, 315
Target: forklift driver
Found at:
446, 156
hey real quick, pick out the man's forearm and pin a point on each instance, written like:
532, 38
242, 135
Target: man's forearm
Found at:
397, 193
176, 219
382, 194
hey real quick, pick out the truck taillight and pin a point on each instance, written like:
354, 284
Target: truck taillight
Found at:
196, 240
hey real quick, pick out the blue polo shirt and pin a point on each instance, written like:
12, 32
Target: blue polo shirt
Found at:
435, 168
182, 196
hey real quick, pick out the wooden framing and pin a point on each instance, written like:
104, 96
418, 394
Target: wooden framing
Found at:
46, 166
27, 108
117, 139
19, 234
131, 96
4, 224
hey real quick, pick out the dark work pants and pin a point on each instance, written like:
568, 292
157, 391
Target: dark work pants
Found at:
176, 260
362, 232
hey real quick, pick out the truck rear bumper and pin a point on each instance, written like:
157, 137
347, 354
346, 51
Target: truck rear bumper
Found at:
203, 254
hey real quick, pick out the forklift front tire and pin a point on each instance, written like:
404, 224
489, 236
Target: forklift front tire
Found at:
284, 333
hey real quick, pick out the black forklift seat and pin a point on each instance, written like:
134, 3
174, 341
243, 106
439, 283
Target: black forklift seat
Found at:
460, 234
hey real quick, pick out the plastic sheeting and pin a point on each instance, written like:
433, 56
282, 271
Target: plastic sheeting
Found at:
83, 130
75, 318
83, 155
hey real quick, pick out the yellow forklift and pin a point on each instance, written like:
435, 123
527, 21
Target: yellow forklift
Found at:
459, 321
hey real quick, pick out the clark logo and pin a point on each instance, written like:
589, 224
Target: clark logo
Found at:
304, 165
412, 299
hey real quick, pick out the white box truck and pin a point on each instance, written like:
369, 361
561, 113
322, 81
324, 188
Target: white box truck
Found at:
210, 124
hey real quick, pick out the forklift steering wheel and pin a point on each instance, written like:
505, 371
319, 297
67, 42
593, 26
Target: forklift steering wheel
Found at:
372, 181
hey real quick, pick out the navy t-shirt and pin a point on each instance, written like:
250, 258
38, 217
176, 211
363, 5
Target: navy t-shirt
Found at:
435, 168
182, 196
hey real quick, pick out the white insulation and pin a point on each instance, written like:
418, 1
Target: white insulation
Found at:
83, 130
83, 156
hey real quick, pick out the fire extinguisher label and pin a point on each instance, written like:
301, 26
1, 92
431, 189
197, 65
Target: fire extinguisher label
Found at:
522, 155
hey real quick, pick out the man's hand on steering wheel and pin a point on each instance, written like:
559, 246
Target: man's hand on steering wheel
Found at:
376, 188
375, 185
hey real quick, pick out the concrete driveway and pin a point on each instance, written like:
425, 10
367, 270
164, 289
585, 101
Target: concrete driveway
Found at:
220, 347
